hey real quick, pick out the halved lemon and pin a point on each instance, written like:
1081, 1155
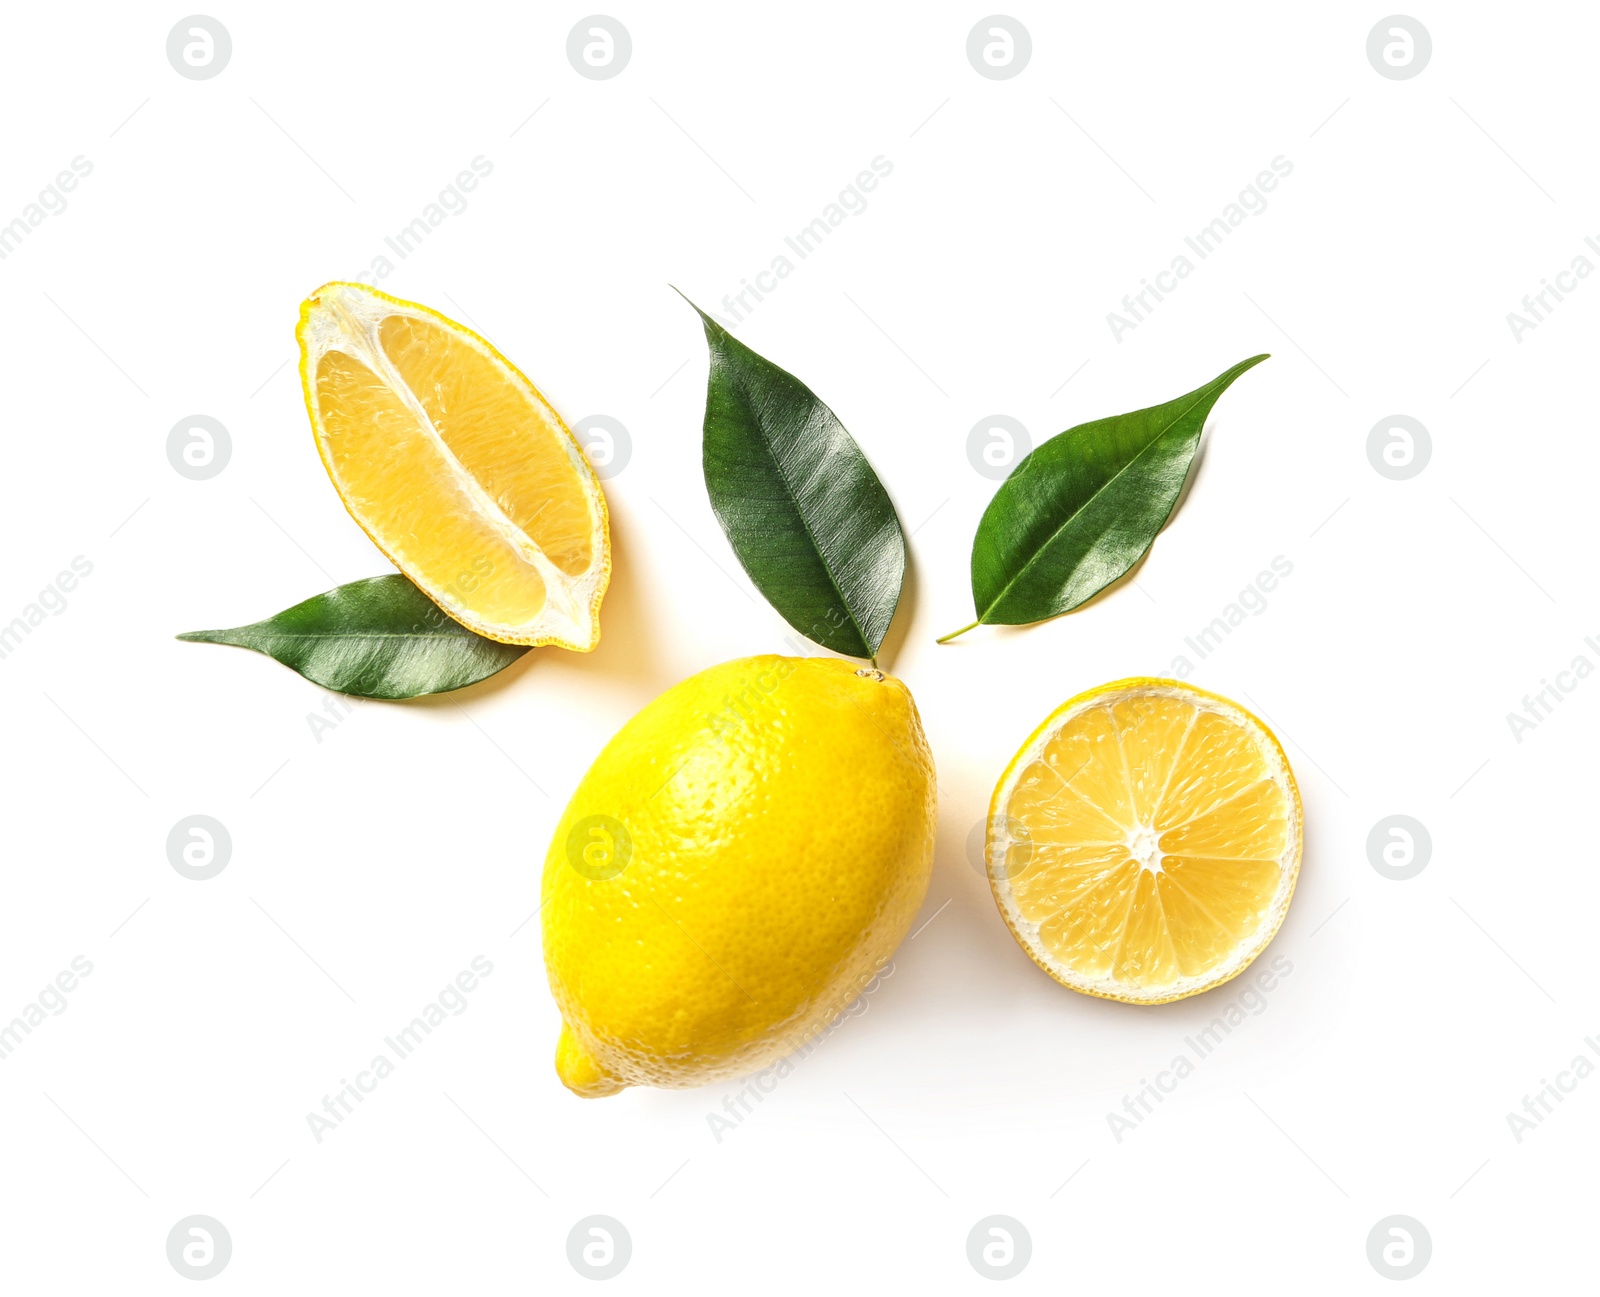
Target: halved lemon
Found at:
1144, 843
456, 466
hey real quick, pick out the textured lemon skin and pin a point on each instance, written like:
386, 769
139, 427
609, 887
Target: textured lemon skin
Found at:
780, 815
1263, 937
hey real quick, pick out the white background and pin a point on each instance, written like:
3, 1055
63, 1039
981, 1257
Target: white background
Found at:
371, 866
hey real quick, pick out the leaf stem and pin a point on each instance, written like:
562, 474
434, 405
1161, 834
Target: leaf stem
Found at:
945, 639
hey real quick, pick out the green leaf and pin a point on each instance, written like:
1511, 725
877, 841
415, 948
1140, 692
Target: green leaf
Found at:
1083, 507
378, 638
802, 508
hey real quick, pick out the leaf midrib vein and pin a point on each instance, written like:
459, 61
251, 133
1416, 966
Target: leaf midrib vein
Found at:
407, 635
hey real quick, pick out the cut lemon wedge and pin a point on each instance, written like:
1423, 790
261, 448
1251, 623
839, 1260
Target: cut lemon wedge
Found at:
1144, 843
456, 466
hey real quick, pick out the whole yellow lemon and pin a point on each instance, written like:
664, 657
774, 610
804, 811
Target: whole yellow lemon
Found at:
736, 865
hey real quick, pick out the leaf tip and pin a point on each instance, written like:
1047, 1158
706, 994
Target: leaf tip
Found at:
1226, 378
209, 637
708, 321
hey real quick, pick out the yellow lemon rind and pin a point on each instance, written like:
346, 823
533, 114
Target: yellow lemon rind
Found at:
788, 1006
581, 1072
996, 842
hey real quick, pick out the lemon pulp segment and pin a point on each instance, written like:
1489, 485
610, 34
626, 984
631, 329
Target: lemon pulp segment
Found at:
456, 466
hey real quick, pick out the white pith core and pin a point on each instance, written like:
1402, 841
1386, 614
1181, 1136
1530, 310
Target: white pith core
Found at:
1144, 845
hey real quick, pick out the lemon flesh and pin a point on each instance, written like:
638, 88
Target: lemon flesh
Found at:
737, 864
456, 466
1144, 843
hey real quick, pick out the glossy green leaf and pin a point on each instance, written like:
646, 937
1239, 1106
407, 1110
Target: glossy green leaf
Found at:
802, 508
378, 638
1083, 507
